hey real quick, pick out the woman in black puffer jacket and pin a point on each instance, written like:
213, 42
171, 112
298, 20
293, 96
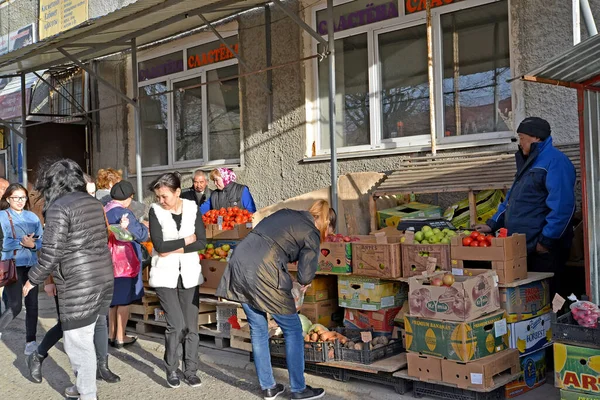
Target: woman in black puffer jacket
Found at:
75, 251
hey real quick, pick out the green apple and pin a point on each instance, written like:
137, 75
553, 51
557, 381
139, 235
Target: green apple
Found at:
428, 234
419, 236
466, 233
446, 230
445, 241
226, 247
210, 246
436, 230
451, 234
434, 239
426, 228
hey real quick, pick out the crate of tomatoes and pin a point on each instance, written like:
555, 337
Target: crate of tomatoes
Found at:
505, 255
227, 223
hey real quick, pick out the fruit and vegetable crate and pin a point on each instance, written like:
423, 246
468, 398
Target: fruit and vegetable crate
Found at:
431, 390
314, 352
507, 255
426, 247
566, 330
356, 351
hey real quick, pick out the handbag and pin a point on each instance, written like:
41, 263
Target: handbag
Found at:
8, 268
146, 257
124, 258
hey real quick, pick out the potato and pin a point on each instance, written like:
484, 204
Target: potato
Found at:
358, 346
349, 344
383, 340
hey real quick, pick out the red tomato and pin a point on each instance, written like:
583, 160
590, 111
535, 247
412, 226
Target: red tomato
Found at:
484, 244
467, 241
474, 234
474, 243
490, 237
481, 238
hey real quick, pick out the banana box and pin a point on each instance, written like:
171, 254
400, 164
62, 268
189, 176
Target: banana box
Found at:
577, 369
533, 374
530, 335
392, 216
526, 301
459, 341
370, 294
570, 395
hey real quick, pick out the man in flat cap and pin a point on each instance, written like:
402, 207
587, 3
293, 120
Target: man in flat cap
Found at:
541, 201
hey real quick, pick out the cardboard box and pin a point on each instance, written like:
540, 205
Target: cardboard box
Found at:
467, 299
377, 257
381, 322
239, 231
533, 374
335, 258
370, 294
426, 368
320, 312
480, 374
530, 335
415, 258
577, 368
459, 341
570, 395
526, 301
391, 216
506, 256
212, 271
322, 288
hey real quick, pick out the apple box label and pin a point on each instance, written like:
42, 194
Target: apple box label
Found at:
500, 327
482, 301
476, 379
369, 286
387, 301
457, 271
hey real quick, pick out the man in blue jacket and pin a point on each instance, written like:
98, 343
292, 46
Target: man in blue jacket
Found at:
541, 201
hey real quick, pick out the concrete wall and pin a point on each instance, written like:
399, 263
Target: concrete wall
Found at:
17, 14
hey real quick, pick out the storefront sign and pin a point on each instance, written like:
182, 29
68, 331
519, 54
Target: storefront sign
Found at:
221, 53
60, 15
10, 104
413, 6
160, 66
371, 14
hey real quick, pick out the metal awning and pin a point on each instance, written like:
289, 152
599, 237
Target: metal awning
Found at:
10, 95
145, 21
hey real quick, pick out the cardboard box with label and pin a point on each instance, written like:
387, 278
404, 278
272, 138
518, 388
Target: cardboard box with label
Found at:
238, 232
570, 395
335, 258
321, 288
507, 256
459, 341
533, 374
530, 335
577, 368
370, 294
526, 301
381, 322
480, 374
467, 299
212, 271
320, 312
391, 216
377, 256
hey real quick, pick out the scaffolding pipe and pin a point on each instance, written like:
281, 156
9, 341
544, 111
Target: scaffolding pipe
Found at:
588, 18
24, 127
332, 133
137, 123
430, 77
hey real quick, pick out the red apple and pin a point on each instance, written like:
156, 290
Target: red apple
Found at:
437, 282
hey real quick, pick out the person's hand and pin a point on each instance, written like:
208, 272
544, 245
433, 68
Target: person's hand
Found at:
27, 288
50, 289
190, 239
146, 223
541, 249
28, 241
124, 221
483, 228
304, 288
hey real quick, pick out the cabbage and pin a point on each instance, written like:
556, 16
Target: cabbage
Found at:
305, 323
315, 326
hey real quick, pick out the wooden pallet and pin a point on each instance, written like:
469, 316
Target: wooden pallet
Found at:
145, 310
240, 339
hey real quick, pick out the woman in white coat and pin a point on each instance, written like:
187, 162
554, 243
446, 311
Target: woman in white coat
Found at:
177, 234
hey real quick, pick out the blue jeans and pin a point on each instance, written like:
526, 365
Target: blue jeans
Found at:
294, 347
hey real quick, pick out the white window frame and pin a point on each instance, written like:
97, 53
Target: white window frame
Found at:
405, 144
170, 123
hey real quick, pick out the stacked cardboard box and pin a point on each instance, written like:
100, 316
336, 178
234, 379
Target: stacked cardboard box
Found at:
576, 371
320, 300
458, 334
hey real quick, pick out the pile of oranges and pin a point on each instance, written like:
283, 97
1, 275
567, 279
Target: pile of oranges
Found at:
231, 216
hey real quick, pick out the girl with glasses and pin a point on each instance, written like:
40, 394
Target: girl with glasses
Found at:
21, 238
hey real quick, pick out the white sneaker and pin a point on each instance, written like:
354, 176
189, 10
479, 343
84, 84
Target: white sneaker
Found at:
30, 347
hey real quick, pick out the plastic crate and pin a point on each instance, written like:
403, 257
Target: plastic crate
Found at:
565, 329
313, 352
401, 386
425, 389
366, 355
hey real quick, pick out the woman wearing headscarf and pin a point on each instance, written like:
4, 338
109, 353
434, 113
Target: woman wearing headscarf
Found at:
257, 277
229, 193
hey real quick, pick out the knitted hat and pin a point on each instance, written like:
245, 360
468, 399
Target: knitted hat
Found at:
122, 190
536, 127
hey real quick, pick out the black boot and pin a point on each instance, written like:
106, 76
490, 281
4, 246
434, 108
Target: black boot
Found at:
34, 363
105, 374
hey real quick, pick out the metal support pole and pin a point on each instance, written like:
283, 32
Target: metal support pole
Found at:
588, 18
332, 92
576, 9
137, 123
431, 81
24, 127
10, 127
303, 24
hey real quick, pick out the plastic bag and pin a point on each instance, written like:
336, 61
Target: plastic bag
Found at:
124, 258
585, 313
298, 294
120, 233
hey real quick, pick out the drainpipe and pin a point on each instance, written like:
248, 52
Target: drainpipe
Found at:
588, 18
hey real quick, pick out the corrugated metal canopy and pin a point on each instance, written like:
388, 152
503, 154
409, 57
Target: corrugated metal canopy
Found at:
580, 64
145, 20
458, 173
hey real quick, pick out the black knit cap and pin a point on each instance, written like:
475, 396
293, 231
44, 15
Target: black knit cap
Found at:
122, 190
536, 127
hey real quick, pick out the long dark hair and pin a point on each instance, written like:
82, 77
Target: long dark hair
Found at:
171, 180
13, 187
60, 178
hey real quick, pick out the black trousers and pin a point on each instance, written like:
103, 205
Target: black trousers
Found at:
181, 313
553, 261
14, 304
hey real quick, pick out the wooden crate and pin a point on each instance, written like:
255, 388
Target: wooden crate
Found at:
145, 311
414, 262
240, 339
